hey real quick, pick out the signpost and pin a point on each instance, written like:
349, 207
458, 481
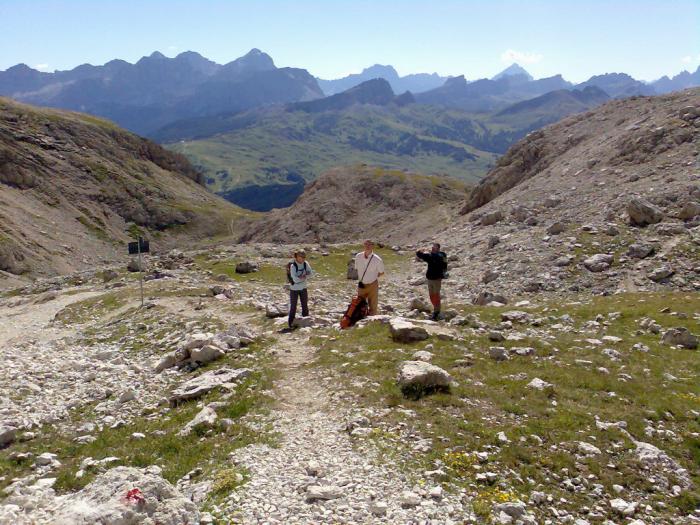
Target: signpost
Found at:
137, 248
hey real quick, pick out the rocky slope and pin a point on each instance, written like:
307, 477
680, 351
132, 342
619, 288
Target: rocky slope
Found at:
361, 201
620, 183
71, 186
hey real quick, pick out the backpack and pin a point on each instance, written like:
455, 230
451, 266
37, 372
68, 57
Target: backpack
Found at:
289, 270
358, 309
443, 259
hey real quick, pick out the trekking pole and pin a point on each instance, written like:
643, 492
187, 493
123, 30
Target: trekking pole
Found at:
140, 270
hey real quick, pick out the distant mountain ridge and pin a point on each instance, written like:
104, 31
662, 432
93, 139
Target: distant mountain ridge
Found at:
157, 90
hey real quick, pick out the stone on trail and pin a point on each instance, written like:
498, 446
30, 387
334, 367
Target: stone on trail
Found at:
680, 336
418, 376
516, 316
419, 304
409, 499
403, 331
200, 385
422, 355
643, 213
378, 508
273, 311
327, 492
661, 273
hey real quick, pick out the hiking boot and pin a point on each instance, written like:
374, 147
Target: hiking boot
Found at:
286, 330
435, 316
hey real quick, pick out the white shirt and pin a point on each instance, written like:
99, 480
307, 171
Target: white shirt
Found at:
376, 266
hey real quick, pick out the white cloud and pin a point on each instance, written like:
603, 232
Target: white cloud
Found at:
42, 67
689, 59
521, 57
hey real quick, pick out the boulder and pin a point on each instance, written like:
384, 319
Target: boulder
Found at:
276, 310
643, 213
689, 210
403, 331
490, 276
200, 385
134, 265
418, 376
498, 353
669, 229
126, 496
680, 337
206, 418
246, 267
539, 384
109, 275
564, 260
352, 271
491, 218
206, 354
598, 262
484, 298
640, 250
419, 304
661, 273
516, 316
556, 228
7, 435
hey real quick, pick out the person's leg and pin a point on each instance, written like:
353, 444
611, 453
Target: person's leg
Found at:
373, 297
293, 294
434, 292
304, 294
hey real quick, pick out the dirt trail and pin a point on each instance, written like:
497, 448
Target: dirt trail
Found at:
30, 321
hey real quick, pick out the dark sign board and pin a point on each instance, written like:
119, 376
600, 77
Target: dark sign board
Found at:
134, 247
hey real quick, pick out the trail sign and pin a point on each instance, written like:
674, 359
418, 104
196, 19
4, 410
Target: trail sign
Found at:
142, 246
137, 248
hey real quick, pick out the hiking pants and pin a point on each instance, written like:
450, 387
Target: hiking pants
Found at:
293, 296
434, 286
371, 293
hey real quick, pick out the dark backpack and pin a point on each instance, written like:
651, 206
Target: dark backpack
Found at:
443, 259
289, 270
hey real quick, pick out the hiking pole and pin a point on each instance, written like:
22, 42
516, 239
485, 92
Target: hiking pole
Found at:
140, 270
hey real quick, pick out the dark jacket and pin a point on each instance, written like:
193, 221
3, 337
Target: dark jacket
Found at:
436, 264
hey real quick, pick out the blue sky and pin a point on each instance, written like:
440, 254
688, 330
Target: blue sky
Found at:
646, 39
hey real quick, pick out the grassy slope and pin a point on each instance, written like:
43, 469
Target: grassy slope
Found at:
492, 397
306, 145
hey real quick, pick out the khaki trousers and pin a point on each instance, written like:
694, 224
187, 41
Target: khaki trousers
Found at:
371, 293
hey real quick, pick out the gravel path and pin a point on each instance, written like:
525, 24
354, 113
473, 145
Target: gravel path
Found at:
316, 450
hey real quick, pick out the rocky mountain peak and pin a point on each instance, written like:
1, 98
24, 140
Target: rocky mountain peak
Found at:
513, 70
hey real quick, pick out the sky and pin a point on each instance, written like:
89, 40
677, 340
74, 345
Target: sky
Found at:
477, 39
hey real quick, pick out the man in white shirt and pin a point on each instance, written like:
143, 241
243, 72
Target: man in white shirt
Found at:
370, 268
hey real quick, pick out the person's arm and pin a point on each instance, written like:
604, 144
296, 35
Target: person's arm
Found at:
423, 256
309, 270
381, 267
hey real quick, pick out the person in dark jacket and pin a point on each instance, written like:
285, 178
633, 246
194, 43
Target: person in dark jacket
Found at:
437, 265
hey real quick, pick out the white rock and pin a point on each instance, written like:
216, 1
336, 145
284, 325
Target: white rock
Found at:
539, 384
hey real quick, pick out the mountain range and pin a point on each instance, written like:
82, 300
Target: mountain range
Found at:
157, 91
262, 158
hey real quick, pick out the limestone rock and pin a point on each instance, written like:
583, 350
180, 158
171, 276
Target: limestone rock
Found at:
200, 385
484, 298
404, 331
640, 250
491, 218
206, 418
7, 435
419, 375
327, 492
643, 213
680, 336
598, 262
246, 267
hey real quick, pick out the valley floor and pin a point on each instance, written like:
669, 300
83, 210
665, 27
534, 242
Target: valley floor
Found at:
564, 409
